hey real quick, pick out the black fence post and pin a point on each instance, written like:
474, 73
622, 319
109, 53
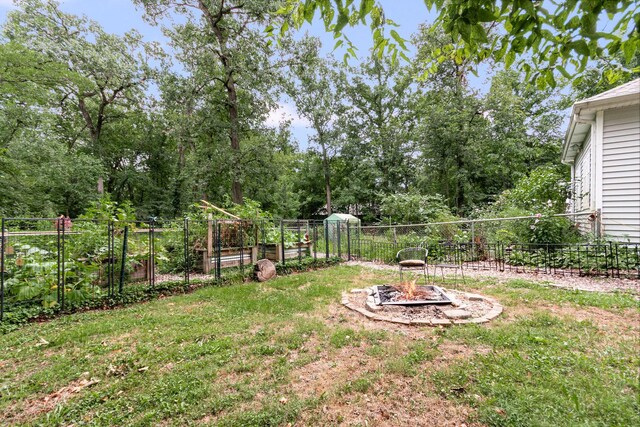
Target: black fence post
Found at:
108, 267
338, 226
241, 242
149, 252
617, 261
299, 242
282, 252
59, 261
264, 239
315, 240
348, 241
2, 245
326, 238
218, 251
152, 254
187, 263
64, 273
606, 259
123, 261
359, 236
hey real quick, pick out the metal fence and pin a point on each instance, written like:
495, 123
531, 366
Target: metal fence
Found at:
58, 262
495, 244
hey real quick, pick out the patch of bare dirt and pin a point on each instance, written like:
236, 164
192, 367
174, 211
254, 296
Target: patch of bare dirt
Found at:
452, 352
34, 408
628, 319
322, 375
393, 401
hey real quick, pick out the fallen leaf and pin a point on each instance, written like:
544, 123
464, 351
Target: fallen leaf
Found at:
42, 342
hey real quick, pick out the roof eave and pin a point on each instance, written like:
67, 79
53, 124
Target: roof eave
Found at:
607, 103
590, 108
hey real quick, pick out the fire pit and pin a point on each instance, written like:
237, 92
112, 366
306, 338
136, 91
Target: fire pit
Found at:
408, 304
414, 295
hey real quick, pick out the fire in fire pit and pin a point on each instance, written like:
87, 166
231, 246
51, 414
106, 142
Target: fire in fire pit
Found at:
407, 293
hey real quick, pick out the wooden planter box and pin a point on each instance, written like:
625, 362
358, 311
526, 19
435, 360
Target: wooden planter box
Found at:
273, 252
140, 270
230, 257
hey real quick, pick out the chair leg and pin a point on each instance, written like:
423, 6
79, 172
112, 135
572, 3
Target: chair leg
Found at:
401, 273
426, 275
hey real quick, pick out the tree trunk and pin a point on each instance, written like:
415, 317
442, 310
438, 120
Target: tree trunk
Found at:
327, 174
460, 184
232, 96
232, 108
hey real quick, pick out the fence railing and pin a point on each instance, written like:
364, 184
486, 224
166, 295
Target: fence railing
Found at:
55, 262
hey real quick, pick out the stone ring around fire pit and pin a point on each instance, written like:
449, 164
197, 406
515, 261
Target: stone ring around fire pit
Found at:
421, 305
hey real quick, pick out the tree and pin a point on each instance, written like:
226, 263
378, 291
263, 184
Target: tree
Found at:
229, 33
546, 43
103, 70
380, 116
314, 93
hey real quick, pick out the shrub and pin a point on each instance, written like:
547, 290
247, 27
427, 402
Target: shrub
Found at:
413, 208
542, 194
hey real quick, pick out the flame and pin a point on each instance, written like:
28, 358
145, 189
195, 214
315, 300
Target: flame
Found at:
408, 289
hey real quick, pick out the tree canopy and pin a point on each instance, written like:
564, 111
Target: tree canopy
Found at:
546, 40
162, 129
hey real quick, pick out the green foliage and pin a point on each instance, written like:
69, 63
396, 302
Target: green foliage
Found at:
33, 286
413, 208
45, 179
106, 209
543, 189
542, 193
32, 277
546, 43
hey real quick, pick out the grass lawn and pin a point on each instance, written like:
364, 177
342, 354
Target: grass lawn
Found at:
286, 352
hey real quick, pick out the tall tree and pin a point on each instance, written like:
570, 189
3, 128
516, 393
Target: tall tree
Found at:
380, 117
110, 71
230, 30
314, 93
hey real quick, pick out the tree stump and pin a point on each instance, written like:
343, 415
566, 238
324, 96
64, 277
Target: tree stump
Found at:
265, 270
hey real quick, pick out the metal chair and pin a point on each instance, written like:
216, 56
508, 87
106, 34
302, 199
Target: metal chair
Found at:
451, 258
413, 258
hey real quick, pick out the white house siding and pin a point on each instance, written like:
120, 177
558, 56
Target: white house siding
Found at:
621, 173
582, 182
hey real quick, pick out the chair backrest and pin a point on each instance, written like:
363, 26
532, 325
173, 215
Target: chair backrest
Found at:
450, 254
412, 253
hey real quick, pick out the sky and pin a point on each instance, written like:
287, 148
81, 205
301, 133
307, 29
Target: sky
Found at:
120, 16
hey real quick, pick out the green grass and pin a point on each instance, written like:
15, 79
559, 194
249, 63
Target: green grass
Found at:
282, 351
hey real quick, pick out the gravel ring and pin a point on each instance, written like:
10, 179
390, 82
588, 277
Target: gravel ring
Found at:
482, 309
